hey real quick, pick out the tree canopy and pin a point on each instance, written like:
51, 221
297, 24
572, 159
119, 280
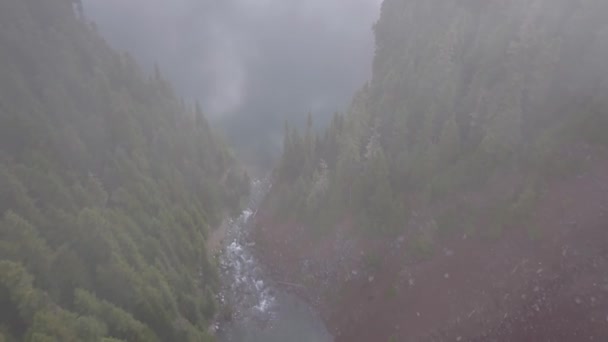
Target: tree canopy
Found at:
459, 91
109, 185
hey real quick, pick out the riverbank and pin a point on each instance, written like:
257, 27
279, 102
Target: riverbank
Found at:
542, 281
217, 239
252, 306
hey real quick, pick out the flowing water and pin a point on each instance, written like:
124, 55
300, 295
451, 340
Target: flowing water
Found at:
259, 310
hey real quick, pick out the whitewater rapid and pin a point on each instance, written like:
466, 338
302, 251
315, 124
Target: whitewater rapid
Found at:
257, 310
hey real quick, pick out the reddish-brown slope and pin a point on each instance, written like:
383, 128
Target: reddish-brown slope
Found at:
554, 288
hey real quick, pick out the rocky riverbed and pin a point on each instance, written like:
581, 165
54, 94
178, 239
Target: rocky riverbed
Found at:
254, 307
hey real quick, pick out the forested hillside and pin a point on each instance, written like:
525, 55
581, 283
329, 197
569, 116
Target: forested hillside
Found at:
109, 185
464, 194
463, 93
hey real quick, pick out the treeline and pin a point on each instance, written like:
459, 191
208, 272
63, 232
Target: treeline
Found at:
109, 185
461, 92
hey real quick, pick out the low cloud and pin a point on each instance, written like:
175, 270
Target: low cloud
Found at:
251, 63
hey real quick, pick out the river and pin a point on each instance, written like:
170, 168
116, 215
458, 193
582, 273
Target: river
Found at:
259, 310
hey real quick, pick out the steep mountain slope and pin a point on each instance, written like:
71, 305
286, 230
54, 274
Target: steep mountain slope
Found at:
108, 187
478, 145
459, 90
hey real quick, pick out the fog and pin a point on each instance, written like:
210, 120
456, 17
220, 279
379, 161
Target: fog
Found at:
252, 64
454, 186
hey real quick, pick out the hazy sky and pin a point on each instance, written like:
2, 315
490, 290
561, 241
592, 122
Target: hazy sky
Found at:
252, 63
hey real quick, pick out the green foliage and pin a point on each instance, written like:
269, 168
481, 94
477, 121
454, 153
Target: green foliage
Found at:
593, 128
373, 262
60, 325
392, 292
524, 205
460, 91
120, 324
421, 246
498, 218
455, 220
108, 187
534, 233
